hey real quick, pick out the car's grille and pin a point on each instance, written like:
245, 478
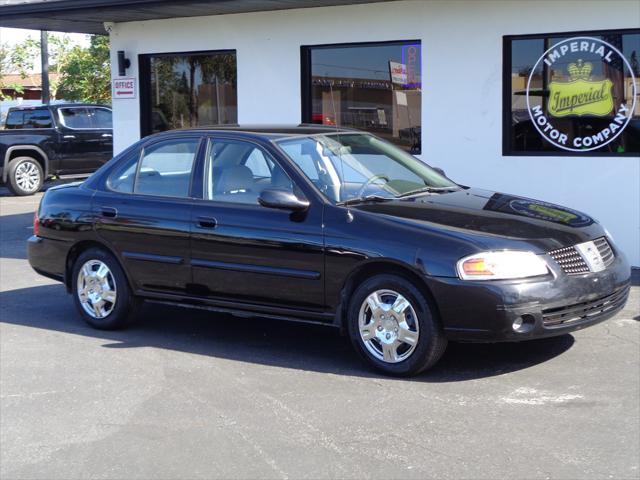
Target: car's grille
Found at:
572, 263
605, 251
570, 260
561, 316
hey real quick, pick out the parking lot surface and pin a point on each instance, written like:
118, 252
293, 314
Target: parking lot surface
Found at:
186, 394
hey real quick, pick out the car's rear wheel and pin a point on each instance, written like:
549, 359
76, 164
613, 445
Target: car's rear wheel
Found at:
393, 327
101, 291
24, 176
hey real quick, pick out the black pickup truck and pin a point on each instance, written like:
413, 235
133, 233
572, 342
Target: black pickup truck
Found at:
61, 140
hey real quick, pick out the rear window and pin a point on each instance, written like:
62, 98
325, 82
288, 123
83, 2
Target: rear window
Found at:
14, 120
29, 119
37, 119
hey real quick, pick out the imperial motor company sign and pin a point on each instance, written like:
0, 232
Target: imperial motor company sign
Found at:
584, 70
124, 88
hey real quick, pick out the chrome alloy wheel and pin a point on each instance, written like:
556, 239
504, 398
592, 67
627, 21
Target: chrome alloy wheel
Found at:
27, 176
388, 326
96, 289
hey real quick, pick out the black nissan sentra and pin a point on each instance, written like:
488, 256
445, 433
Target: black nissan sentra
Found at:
328, 226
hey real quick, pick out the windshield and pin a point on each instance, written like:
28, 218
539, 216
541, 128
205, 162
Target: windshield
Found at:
354, 166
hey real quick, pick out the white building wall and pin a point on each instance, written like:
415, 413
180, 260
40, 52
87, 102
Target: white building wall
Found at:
462, 86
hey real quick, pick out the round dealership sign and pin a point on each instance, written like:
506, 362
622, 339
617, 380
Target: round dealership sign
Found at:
587, 80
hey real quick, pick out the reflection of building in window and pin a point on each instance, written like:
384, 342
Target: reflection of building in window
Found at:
372, 87
192, 90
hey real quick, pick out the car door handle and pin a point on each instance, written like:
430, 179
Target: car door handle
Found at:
69, 137
207, 222
108, 212
106, 135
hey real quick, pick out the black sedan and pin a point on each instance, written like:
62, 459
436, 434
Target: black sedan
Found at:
329, 226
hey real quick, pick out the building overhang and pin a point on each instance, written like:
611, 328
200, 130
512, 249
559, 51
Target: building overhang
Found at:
89, 16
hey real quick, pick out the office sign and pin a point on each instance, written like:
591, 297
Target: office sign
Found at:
124, 88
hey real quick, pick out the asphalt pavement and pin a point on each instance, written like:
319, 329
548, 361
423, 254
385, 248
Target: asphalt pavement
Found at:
190, 394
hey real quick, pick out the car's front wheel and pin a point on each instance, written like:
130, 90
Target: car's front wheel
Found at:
101, 291
24, 176
393, 327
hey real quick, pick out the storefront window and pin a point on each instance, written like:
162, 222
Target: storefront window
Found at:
188, 90
572, 94
373, 86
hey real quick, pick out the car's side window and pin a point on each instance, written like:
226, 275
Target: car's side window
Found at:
77, 118
124, 176
100, 118
165, 168
259, 164
238, 172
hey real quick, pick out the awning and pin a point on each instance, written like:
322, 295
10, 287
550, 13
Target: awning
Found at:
88, 16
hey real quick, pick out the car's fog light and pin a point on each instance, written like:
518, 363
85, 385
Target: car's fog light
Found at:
523, 324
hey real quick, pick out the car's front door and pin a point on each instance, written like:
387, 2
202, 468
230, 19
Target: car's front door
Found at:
144, 215
86, 138
242, 251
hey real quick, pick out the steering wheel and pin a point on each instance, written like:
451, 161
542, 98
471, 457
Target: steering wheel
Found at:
369, 182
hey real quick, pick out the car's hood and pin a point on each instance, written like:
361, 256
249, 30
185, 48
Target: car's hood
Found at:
496, 219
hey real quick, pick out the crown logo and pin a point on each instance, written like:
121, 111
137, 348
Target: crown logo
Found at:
580, 70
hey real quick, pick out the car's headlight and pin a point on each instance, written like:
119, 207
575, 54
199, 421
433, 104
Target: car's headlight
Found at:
501, 265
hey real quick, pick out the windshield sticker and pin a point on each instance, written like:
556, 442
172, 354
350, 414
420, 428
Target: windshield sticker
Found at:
585, 79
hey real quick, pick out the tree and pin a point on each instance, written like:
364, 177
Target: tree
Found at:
85, 72
6, 67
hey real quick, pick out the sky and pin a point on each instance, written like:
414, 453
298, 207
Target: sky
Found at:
13, 36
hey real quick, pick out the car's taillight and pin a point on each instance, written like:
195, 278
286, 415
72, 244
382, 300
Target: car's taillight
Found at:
36, 224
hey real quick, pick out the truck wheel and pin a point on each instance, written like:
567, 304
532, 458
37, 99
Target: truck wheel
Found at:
24, 176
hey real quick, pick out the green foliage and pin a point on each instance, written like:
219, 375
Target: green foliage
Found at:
86, 74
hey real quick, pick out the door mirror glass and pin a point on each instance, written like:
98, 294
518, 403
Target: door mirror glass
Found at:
282, 199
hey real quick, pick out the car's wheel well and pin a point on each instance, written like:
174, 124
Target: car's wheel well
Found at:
76, 251
370, 269
37, 156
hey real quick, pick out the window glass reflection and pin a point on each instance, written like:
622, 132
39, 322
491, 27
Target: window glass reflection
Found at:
372, 87
192, 90
580, 93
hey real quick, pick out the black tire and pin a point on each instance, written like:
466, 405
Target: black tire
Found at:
16, 169
431, 342
125, 307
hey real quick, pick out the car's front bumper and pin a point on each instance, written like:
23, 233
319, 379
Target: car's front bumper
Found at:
486, 311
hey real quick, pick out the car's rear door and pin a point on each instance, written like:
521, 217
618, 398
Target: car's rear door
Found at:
86, 138
244, 252
144, 214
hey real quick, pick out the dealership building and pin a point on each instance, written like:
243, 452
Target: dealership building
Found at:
535, 98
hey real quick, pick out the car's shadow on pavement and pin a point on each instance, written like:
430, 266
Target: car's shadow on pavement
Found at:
14, 232
262, 341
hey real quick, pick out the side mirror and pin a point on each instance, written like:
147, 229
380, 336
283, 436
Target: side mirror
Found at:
282, 199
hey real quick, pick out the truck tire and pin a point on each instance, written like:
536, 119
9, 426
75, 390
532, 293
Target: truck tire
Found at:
24, 176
